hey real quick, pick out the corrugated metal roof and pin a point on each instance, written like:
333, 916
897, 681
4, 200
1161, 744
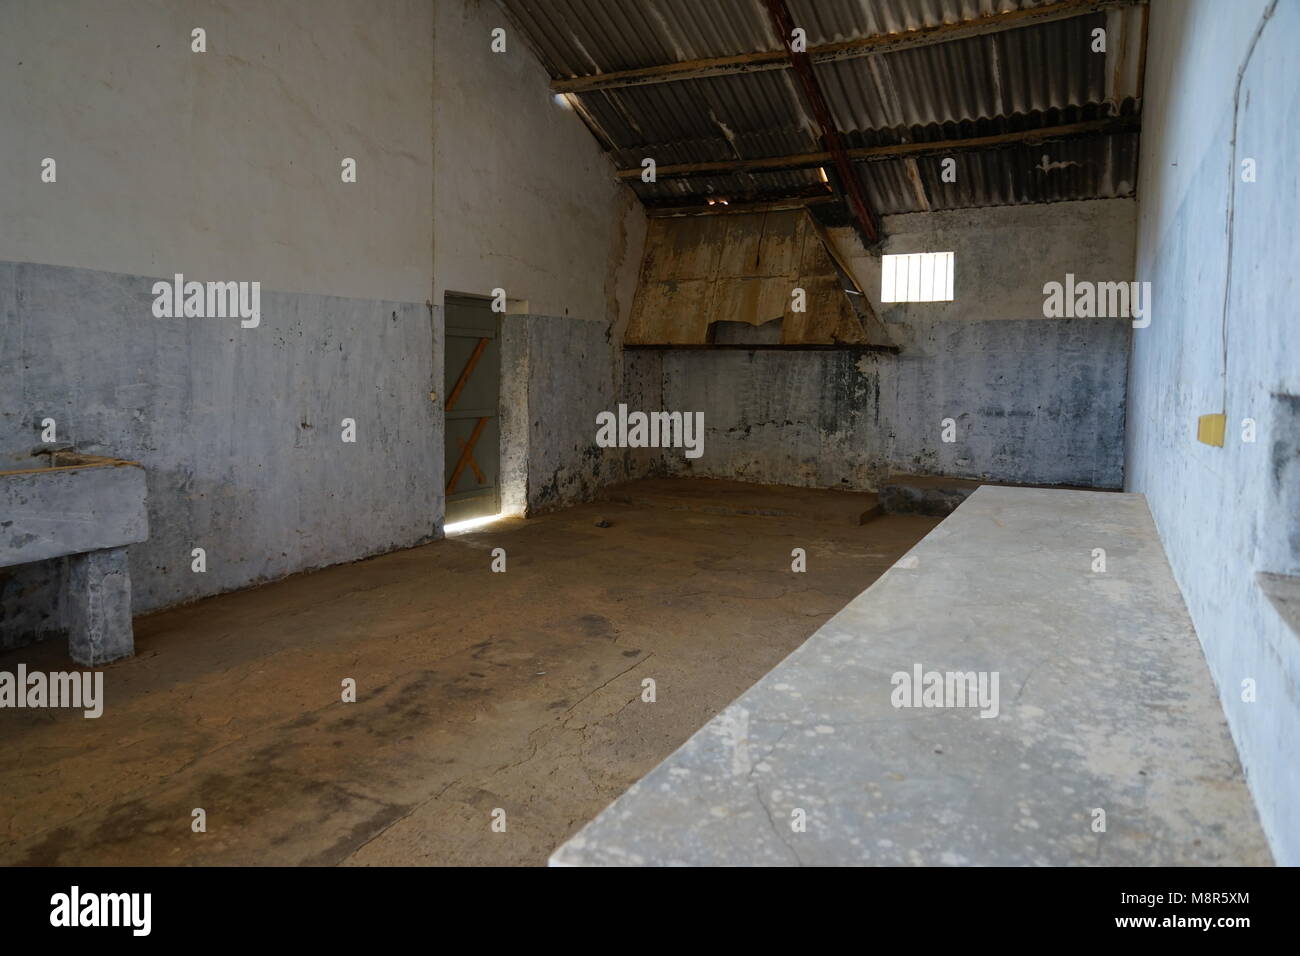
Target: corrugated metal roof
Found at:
718, 114
580, 37
832, 22
1033, 76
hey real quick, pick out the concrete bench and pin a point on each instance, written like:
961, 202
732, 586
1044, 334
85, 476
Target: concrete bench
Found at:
88, 509
1104, 744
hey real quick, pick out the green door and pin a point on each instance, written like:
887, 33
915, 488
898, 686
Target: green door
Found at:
473, 386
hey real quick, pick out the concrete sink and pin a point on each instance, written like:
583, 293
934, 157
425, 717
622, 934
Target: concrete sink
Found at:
88, 509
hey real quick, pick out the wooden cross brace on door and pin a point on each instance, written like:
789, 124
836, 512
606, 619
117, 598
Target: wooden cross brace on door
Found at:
467, 447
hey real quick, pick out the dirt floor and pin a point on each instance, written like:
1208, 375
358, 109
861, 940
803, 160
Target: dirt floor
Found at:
475, 691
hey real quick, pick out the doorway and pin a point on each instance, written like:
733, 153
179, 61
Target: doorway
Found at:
473, 431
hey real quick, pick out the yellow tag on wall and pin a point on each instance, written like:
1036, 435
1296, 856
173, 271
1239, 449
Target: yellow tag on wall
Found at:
1210, 429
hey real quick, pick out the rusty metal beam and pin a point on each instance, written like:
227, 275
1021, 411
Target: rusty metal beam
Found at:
843, 50
863, 216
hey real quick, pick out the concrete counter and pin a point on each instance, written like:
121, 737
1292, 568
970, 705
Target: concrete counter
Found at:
1091, 733
87, 508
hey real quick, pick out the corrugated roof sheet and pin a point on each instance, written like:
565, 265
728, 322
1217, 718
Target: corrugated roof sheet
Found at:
580, 37
1038, 75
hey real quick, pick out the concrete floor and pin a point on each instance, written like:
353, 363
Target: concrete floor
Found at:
475, 690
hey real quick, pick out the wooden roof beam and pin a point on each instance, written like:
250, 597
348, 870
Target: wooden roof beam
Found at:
1043, 134
753, 202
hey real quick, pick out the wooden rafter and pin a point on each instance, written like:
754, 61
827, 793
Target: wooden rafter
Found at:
843, 50
757, 204
1100, 127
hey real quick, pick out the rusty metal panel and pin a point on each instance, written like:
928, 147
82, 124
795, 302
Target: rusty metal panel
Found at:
782, 244
752, 300
742, 245
758, 260
828, 316
690, 251
666, 311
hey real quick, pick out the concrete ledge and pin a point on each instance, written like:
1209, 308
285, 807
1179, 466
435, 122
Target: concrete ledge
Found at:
1104, 703
90, 505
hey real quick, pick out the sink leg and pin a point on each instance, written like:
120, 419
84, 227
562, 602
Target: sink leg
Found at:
97, 608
